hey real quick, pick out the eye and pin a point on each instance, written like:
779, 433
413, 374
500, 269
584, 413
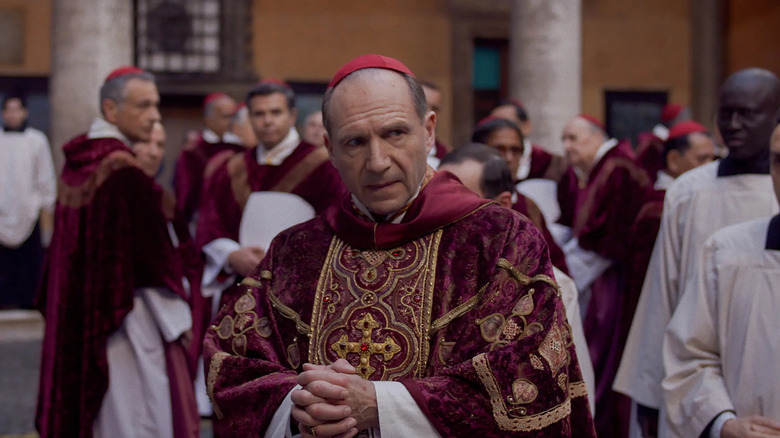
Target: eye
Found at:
357, 141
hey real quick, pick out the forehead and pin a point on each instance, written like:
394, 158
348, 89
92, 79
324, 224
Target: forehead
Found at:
504, 133
577, 126
743, 92
273, 100
12, 103
140, 88
374, 94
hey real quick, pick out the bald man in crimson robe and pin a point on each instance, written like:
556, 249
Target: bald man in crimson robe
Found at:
600, 196
412, 307
117, 320
218, 110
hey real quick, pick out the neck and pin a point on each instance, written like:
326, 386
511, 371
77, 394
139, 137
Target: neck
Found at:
19, 128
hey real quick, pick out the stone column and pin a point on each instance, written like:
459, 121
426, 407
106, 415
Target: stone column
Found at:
707, 57
89, 39
545, 47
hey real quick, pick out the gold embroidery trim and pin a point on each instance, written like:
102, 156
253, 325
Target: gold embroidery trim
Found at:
214, 367
251, 282
321, 287
577, 389
500, 413
289, 313
427, 307
458, 311
526, 280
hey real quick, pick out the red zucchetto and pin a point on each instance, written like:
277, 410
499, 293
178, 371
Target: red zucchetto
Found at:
369, 61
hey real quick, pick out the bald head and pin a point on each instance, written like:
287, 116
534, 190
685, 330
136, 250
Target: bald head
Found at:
748, 110
581, 140
218, 114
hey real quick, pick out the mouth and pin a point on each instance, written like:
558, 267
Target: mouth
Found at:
380, 186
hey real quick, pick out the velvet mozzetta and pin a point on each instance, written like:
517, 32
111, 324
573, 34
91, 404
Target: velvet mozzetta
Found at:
457, 302
110, 238
188, 180
231, 178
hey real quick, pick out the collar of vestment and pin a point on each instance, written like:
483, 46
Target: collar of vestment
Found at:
773, 234
663, 180
731, 167
277, 155
600, 153
661, 131
441, 202
211, 137
100, 128
524, 169
395, 217
83, 155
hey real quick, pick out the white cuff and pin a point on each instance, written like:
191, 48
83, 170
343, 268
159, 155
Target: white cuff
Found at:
399, 415
720, 420
585, 266
280, 423
217, 253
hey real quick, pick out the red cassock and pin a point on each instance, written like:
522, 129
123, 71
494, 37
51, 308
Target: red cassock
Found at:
231, 178
456, 302
650, 154
529, 208
546, 165
188, 179
110, 238
601, 212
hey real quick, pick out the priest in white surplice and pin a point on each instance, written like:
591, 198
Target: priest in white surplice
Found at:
722, 349
698, 203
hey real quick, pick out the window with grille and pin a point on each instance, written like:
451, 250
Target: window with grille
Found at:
193, 37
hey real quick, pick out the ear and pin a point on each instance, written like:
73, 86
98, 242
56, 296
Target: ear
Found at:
504, 199
294, 114
328, 145
110, 108
673, 162
525, 128
429, 124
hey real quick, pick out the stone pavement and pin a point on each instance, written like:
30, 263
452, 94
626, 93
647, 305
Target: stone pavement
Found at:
21, 332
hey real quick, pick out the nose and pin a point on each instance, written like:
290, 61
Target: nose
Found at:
735, 121
378, 160
155, 114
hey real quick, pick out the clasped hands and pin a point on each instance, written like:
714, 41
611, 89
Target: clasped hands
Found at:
334, 401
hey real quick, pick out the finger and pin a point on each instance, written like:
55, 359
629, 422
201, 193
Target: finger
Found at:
300, 415
326, 375
312, 367
326, 412
334, 428
303, 398
327, 390
343, 366
348, 434
765, 422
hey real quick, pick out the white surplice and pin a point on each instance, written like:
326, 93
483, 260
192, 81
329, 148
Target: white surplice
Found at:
697, 204
722, 347
138, 401
27, 184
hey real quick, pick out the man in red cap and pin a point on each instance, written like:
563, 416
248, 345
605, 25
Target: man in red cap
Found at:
600, 196
701, 201
434, 98
117, 318
410, 308
218, 111
650, 145
535, 161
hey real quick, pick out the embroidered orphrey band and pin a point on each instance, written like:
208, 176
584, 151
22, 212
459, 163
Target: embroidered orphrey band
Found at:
214, 367
503, 420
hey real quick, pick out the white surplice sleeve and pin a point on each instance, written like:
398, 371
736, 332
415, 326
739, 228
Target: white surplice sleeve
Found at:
170, 312
399, 415
694, 390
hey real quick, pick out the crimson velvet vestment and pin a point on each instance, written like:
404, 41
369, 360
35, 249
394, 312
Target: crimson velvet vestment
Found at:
188, 179
231, 178
544, 164
528, 207
650, 154
110, 239
457, 302
601, 211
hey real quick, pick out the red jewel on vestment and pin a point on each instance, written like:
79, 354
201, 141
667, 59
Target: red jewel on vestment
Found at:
364, 347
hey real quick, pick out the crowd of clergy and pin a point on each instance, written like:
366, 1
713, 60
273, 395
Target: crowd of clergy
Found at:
660, 254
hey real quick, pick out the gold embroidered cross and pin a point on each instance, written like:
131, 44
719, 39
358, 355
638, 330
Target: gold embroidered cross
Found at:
366, 347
